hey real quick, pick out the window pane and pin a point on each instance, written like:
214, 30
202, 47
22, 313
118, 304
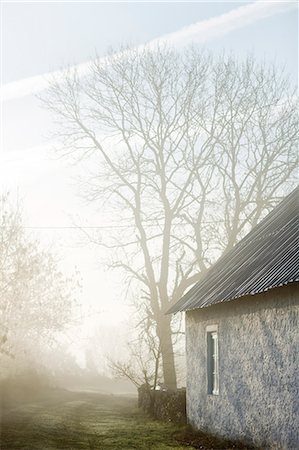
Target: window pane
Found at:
213, 363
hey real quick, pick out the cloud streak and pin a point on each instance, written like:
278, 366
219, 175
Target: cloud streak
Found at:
199, 33
216, 27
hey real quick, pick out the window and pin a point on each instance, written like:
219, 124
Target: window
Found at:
213, 360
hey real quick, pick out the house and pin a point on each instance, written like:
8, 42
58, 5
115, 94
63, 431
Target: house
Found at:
242, 337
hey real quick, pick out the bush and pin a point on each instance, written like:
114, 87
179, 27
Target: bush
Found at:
169, 406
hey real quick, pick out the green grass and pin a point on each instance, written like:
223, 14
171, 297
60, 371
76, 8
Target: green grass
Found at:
67, 420
84, 421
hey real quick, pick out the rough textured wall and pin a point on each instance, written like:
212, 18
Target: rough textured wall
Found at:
259, 375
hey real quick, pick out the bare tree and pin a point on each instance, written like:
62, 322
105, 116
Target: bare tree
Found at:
142, 364
187, 151
36, 300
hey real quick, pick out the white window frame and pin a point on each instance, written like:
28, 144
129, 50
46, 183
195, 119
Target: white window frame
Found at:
212, 339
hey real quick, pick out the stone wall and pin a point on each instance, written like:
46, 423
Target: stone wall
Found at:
258, 399
169, 406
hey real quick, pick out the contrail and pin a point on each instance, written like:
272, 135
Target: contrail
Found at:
218, 26
199, 32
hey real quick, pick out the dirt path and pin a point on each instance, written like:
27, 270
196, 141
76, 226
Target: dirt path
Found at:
69, 420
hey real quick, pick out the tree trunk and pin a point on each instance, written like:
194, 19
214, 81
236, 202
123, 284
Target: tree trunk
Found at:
164, 334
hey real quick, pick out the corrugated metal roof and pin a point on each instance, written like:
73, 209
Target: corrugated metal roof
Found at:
266, 258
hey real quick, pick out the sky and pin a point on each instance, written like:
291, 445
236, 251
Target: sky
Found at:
38, 38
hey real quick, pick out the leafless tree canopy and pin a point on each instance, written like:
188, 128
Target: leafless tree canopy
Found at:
188, 151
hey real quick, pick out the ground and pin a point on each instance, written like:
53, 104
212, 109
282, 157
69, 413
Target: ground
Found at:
68, 420
74, 420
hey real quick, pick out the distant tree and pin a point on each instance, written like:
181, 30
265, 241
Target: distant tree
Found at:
187, 153
36, 300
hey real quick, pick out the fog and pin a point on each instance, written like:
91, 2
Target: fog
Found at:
124, 176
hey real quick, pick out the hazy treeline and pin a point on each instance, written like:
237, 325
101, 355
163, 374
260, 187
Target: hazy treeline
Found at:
37, 301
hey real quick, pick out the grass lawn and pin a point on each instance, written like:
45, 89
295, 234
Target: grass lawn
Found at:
67, 420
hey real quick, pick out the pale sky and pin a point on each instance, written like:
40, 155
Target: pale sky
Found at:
42, 37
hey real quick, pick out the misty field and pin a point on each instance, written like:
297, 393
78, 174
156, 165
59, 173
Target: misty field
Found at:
67, 420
